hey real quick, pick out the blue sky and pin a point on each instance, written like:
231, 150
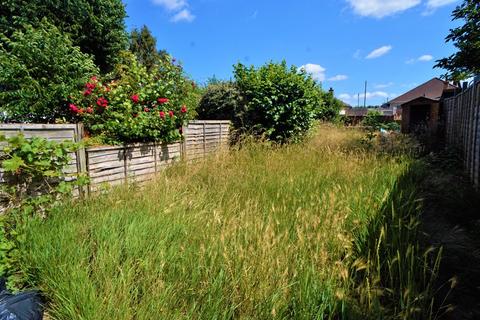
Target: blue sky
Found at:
393, 44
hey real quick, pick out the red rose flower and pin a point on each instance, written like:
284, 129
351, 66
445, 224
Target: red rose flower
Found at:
170, 113
102, 102
162, 100
90, 86
146, 109
162, 114
135, 98
73, 108
87, 92
184, 109
94, 78
89, 110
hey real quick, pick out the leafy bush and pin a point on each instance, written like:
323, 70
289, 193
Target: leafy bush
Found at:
373, 120
279, 102
221, 101
135, 105
39, 67
34, 180
96, 26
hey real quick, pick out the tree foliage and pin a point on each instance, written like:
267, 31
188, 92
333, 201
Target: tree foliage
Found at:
144, 45
39, 68
96, 26
331, 107
466, 38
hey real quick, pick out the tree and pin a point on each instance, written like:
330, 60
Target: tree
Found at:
39, 68
330, 109
466, 38
96, 26
144, 45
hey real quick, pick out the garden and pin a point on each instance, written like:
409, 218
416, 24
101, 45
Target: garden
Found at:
300, 219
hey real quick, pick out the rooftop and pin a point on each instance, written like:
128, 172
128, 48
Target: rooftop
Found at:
432, 89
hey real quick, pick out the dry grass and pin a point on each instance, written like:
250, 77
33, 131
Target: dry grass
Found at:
259, 233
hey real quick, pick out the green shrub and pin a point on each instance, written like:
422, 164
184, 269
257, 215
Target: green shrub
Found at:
135, 105
221, 101
373, 120
39, 68
279, 102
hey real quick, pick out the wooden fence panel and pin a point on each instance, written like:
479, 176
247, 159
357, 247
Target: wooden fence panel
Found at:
55, 132
463, 128
135, 162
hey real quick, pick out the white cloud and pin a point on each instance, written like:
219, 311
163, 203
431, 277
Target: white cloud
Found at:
434, 4
171, 5
179, 8
376, 94
315, 70
353, 98
344, 97
383, 8
338, 77
424, 58
383, 85
184, 15
377, 53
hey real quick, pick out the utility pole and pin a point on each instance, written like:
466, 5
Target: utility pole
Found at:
365, 97
358, 104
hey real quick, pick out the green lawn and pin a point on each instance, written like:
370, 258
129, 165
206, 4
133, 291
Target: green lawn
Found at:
322, 229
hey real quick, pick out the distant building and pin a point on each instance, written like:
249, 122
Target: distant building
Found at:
420, 107
355, 115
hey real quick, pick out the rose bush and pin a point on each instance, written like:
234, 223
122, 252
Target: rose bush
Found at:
133, 105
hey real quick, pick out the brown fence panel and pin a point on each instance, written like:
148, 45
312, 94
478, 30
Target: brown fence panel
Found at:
463, 128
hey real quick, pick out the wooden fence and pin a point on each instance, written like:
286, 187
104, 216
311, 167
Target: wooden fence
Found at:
462, 128
132, 162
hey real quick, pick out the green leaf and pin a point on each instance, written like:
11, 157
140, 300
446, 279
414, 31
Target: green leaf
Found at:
13, 164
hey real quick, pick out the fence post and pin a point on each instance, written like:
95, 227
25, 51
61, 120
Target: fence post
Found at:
220, 136
125, 166
81, 157
183, 145
204, 141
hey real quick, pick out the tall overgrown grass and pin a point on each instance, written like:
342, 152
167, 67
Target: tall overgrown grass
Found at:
319, 230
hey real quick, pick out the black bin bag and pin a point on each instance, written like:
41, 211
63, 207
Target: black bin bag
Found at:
20, 306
